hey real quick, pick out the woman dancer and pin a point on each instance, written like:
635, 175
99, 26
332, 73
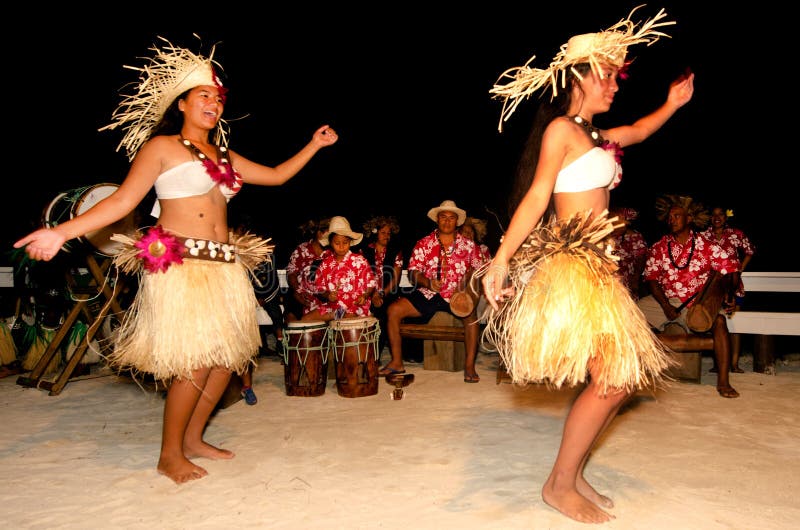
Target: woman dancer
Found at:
193, 320
565, 314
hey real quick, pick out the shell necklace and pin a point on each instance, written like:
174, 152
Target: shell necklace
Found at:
220, 172
672, 260
591, 130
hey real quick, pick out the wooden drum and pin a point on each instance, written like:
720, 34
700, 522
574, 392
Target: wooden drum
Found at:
354, 342
707, 305
305, 355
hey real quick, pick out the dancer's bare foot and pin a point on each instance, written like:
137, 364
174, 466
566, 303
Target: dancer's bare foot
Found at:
180, 469
206, 450
586, 489
574, 505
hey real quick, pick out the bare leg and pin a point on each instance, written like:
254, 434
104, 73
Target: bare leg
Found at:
395, 313
193, 443
471, 332
582, 485
722, 352
736, 347
182, 398
589, 415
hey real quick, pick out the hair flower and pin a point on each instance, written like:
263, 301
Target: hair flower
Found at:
158, 249
728, 213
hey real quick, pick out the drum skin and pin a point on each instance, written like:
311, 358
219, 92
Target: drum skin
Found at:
68, 205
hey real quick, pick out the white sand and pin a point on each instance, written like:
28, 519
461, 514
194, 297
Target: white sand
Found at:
448, 456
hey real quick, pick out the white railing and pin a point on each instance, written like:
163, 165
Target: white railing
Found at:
768, 322
755, 322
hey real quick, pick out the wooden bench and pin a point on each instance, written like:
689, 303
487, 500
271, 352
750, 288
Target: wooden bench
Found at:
444, 341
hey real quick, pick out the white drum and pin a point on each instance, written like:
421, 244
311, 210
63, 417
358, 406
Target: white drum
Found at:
70, 204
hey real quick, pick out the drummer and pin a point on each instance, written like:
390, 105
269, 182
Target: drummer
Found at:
678, 267
438, 265
344, 282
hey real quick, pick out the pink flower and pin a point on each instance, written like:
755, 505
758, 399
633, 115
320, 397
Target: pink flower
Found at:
159, 249
623, 71
615, 149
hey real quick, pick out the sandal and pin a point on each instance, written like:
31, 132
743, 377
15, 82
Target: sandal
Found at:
472, 378
727, 392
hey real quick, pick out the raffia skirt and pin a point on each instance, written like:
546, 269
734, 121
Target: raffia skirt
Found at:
195, 314
571, 313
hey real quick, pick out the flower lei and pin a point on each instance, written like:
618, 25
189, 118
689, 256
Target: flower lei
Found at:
158, 250
222, 172
614, 149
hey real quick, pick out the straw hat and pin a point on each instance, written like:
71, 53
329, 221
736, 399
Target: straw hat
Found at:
696, 210
609, 46
168, 74
478, 226
447, 206
340, 225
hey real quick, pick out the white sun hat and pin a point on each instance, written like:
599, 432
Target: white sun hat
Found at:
340, 225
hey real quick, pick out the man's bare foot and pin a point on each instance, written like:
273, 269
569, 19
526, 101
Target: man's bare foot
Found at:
586, 489
574, 505
206, 450
180, 470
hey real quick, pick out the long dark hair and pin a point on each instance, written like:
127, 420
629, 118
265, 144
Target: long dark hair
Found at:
548, 110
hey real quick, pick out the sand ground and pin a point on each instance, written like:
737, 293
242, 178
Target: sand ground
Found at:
449, 455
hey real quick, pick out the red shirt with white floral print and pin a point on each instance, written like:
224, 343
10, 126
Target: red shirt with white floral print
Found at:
380, 257
734, 242
632, 251
351, 278
300, 262
427, 257
686, 269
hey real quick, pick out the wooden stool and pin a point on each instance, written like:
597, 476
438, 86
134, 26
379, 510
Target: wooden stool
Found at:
444, 354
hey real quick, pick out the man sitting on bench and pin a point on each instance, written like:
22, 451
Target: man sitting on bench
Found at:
440, 265
677, 269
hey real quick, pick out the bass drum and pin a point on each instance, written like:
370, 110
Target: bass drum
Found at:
69, 204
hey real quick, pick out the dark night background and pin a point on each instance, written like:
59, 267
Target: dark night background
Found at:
406, 87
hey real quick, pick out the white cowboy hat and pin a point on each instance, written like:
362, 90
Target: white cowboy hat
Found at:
340, 225
447, 206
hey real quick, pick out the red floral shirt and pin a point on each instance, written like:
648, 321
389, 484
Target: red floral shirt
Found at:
632, 251
427, 257
734, 242
350, 278
300, 262
380, 258
685, 270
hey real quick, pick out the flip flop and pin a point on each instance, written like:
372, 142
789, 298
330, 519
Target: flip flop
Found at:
389, 371
474, 378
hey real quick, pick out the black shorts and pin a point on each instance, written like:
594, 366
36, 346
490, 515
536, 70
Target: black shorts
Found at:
426, 307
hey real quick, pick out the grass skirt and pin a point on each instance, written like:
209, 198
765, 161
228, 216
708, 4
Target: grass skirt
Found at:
571, 312
195, 314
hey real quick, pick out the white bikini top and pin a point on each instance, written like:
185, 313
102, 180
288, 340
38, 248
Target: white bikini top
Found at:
188, 179
596, 168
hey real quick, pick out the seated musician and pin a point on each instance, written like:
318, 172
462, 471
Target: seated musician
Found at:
344, 282
678, 267
438, 266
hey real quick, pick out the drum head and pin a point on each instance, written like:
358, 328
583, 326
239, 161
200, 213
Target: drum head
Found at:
69, 204
100, 239
301, 327
354, 323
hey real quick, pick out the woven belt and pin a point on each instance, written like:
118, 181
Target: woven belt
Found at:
207, 249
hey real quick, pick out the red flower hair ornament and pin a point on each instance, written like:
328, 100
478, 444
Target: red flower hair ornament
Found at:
159, 249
